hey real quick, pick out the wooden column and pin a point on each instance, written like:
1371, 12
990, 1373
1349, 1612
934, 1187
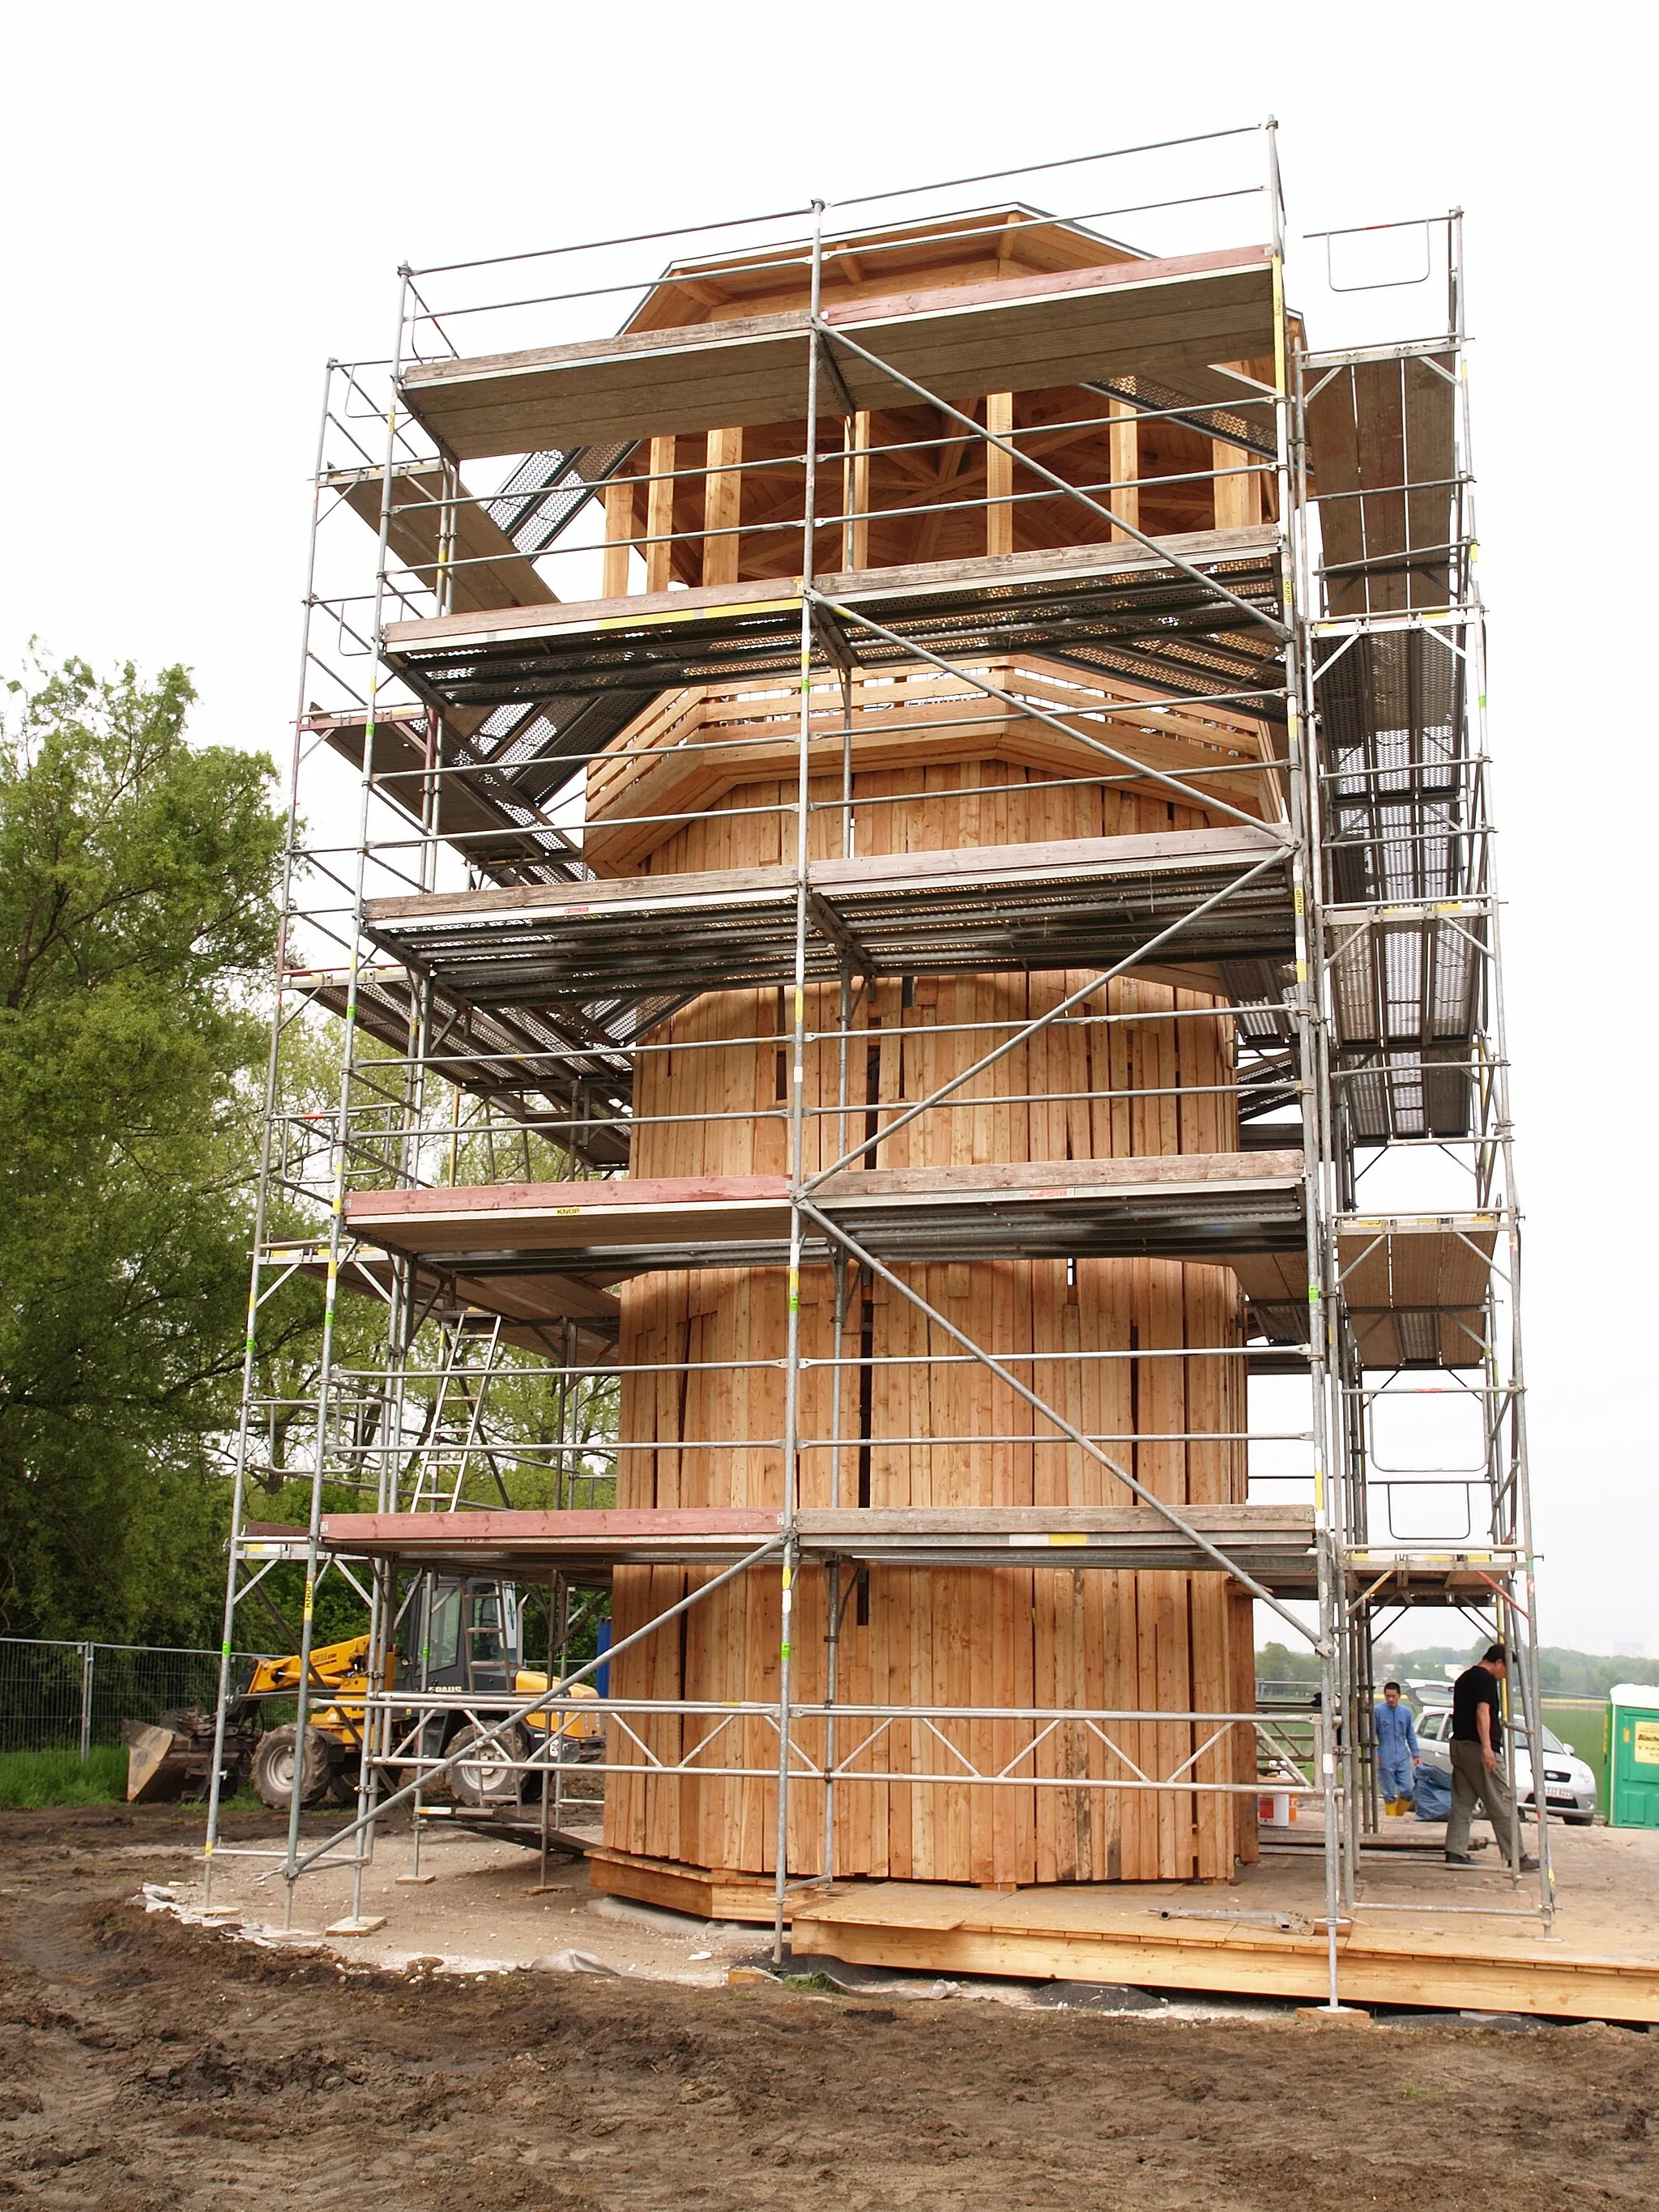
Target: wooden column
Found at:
660, 516
618, 537
1238, 499
999, 475
855, 492
722, 505
1124, 439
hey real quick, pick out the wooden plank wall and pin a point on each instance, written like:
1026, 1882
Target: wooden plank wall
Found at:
1057, 1637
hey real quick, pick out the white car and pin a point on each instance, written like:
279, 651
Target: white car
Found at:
1569, 1784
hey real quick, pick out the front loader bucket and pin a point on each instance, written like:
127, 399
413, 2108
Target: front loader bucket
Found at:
158, 1764
175, 1758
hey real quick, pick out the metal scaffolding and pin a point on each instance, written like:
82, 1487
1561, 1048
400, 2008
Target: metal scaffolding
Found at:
460, 922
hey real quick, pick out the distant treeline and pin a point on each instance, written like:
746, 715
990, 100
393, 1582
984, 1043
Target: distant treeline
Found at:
1563, 1673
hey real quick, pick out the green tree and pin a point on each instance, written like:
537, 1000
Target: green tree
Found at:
137, 915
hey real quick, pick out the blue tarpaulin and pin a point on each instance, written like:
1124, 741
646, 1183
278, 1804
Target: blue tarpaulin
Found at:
1433, 1794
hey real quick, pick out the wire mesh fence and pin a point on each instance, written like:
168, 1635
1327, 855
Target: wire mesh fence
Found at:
61, 1695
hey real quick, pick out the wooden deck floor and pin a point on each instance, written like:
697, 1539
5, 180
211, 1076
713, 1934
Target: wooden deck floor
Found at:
1601, 1963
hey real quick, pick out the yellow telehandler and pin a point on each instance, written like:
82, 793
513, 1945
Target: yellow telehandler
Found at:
465, 1639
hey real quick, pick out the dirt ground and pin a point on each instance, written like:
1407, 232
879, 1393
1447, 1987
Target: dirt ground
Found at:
147, 2066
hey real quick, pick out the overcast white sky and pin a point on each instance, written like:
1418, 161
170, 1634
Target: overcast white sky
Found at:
204, 204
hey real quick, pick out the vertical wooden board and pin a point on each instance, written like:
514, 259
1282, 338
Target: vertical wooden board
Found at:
1052, 1863
985, 1655
1022, 1337
1178, 1825
1035, 1472
1043, 1077
1200, 1064
892, 1679
805, 1795
1086, 1068
1078, 1736
1163, 1078
760, 1803
1125, 1001
928, 1812
1213, 1815
622, 1809
1241, 1624
1113, 1281
1121, 1638
881, 1811
1211, 1388
657, 1676
1019, 1816
1152, 1617
953, 1639
1164, 1401
853, 1689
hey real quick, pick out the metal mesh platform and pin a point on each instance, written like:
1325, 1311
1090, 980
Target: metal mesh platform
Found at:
1116, 608
1076, 905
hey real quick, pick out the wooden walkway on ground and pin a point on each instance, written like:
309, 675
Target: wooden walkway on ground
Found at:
1603, 1962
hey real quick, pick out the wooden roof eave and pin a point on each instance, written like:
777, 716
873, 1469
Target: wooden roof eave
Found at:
1020, 333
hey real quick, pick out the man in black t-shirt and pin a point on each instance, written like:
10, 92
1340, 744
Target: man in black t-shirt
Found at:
1477, 1744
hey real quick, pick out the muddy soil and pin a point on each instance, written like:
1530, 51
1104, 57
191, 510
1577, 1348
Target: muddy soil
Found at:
148, 2067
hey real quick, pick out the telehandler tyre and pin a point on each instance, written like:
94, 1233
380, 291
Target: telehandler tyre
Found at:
273, 1768
486, 1780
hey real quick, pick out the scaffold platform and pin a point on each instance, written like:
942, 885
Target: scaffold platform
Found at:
1077, 904
1126, 609
1275, 1545
1173, 315
1184, 1205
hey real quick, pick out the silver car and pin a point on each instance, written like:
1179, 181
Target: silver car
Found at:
1569, 1784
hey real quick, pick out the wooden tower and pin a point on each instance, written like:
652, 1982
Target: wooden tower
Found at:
705, 780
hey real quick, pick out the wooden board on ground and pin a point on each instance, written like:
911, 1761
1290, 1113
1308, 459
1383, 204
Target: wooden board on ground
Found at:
704, 1893
1119, 1935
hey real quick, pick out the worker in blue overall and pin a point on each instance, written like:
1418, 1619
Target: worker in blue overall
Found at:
1397, 1753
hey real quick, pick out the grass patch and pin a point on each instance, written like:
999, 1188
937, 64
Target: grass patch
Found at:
35, 1781
1584, 1726
31, 1780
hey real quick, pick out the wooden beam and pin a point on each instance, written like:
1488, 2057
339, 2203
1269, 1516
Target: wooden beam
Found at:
660, 516
722, 506
999, 474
